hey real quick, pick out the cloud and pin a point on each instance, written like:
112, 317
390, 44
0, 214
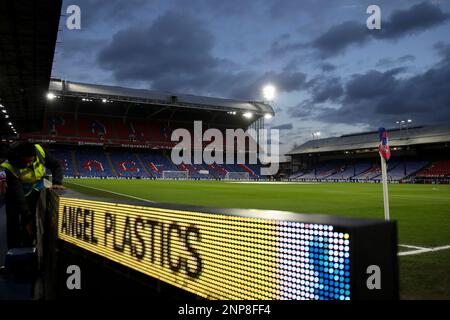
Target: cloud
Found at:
286, 126
375, 98
389, 62
380, 98
443, 50
219, 9
371, 84
322, 90
283, 44
94, 11
338, 38
329, 89
419, 17
175, 45
175, 53
307, 110
327, 67
70, 49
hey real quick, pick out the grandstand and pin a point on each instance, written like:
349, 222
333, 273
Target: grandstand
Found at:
419, 155
100, 131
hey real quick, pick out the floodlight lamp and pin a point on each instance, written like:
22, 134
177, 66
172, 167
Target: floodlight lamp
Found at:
51, 96
269, 92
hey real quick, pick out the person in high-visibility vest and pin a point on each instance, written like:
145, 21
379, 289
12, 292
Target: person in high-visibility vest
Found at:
25, 171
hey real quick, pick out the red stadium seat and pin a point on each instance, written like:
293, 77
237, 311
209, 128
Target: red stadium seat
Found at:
437, 169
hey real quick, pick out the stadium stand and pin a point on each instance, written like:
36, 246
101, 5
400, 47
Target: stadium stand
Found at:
363, 170
123, 163
418, 156
368, 140
437, 169
100, 131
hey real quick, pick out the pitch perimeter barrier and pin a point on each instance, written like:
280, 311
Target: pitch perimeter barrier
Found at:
145, 248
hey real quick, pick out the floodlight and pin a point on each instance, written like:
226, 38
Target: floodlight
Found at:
269, 92
51, 96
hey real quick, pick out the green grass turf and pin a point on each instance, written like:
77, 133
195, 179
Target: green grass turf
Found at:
422, 212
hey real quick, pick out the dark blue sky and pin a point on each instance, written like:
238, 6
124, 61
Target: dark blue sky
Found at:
332, 74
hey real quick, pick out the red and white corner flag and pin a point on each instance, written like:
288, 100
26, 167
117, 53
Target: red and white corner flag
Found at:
385, 154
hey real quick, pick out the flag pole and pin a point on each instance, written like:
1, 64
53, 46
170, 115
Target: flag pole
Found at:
385, 154
385, 188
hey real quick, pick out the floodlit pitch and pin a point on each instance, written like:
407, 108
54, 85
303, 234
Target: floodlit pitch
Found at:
422, 212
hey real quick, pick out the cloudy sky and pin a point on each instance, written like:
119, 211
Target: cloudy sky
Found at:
332, 74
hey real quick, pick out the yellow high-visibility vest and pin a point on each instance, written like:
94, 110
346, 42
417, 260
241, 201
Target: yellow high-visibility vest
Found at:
30, 177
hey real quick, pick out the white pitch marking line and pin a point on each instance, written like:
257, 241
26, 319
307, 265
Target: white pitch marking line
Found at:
412, 247
407, 253
120, 194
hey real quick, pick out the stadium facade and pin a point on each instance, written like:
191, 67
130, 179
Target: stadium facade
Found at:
420, 154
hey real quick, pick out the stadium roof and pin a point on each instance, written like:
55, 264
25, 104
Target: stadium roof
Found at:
94, 91
28, 32
369, 140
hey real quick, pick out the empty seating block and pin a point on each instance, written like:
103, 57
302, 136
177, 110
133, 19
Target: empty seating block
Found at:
94, 164
437, 169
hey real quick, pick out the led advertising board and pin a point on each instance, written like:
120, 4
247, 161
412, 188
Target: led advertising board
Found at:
238, 254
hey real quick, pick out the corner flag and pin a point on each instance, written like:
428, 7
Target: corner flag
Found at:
385, 154
384, 149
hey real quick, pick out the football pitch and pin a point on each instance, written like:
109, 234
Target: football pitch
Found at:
422, 213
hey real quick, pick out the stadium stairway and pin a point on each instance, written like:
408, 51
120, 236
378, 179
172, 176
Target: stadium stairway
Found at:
76, 168
144, 167
65, 159
361, 168
217, 171
111, 164
193, 170
256, 168
154, 169
247, 169
126, 164
413, 167
158, 163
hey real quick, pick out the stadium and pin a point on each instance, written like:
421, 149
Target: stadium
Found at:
134, 140
114, 145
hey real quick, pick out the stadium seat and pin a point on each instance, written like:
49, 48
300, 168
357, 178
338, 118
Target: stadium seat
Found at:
95, 127
127, 164
94, 164
65, 158
59, 125
437, 169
